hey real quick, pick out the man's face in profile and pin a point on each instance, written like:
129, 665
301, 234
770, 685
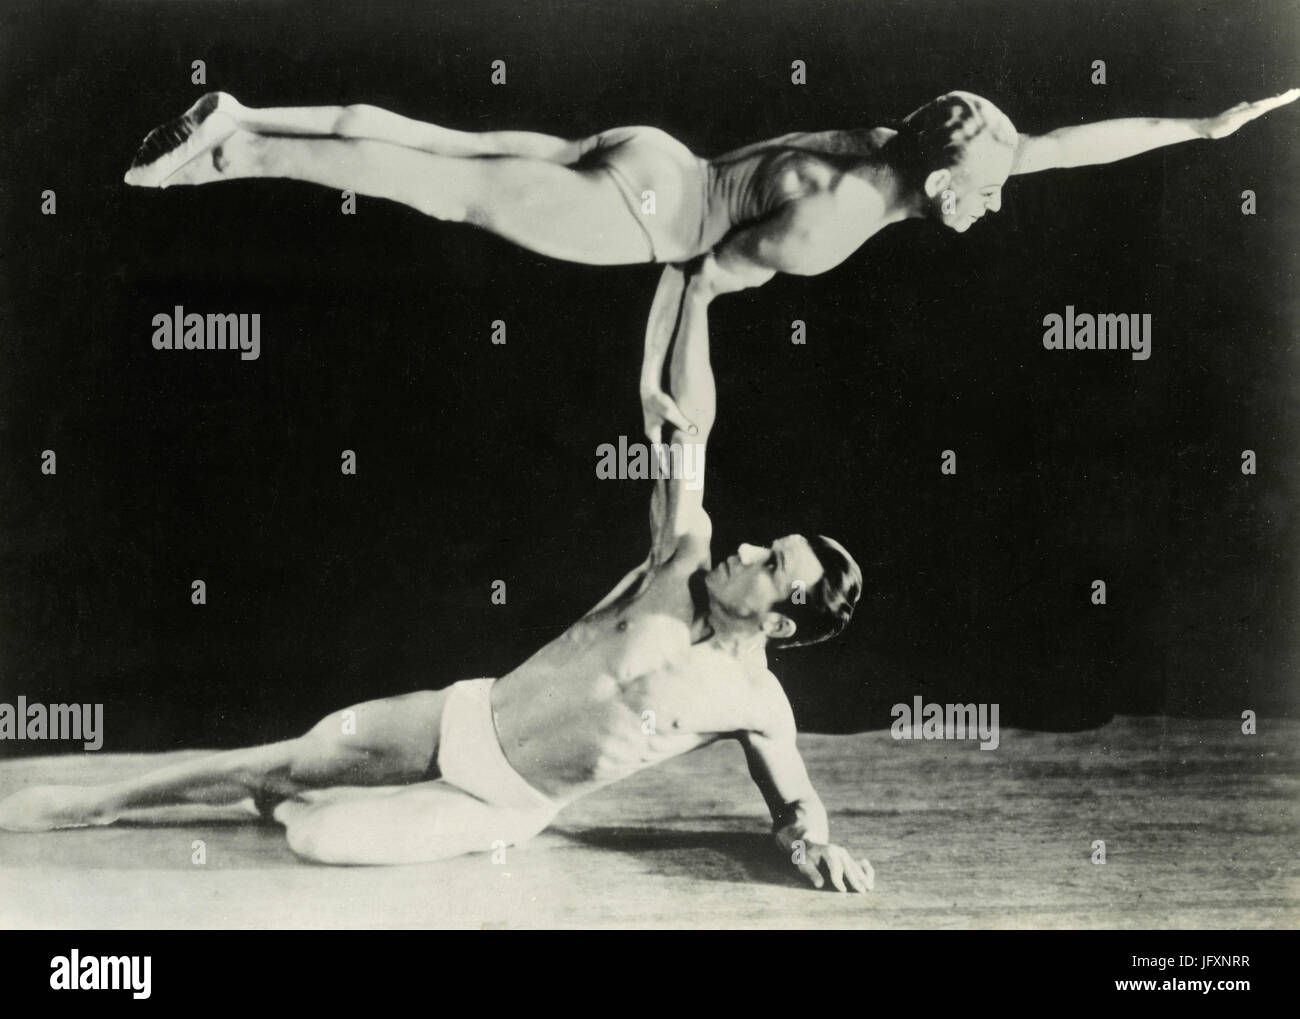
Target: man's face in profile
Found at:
755, 579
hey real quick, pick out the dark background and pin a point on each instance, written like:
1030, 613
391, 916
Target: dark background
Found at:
477, 461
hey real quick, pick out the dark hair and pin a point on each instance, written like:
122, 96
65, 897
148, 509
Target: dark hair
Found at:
936, 136
828, 604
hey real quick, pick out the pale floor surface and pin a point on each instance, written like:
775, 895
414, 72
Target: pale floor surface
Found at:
1200, 825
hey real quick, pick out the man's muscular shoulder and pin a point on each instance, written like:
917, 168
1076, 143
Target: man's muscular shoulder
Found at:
771, 712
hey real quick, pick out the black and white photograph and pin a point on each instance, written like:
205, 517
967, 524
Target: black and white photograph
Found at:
537, 465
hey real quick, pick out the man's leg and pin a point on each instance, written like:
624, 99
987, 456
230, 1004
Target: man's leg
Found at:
413, 824
575, 215
362, 121
382, 742
217, 779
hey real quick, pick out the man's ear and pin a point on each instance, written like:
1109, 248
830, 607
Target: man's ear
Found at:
778, 627
937, 182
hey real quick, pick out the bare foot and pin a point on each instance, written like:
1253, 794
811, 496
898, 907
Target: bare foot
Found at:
171, 146
44, 807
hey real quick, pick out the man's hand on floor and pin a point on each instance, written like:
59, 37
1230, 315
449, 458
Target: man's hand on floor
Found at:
818, 861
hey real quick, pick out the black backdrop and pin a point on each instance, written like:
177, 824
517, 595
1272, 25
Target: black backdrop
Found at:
476, 462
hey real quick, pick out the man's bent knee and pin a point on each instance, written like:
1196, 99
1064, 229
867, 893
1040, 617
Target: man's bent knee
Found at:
340, 837
326, 834
313, 838
352, 120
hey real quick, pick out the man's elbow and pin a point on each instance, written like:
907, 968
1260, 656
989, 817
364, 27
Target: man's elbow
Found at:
798, 253
698, 404
702, 416
733, 269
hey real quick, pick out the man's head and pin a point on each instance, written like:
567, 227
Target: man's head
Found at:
957, 151
797, 591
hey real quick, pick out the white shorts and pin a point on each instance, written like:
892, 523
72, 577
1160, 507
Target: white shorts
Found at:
471, 759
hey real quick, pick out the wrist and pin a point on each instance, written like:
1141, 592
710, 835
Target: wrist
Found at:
701, 284
802, 825
789, 834
701, 288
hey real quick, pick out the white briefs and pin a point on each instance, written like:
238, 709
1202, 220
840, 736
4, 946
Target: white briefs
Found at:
471, 759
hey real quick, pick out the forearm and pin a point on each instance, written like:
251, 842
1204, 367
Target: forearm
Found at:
679, 313
664, 313
690, 375
677, 506
1107, 141
779, 772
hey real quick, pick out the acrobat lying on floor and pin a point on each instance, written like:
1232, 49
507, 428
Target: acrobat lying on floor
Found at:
671, 660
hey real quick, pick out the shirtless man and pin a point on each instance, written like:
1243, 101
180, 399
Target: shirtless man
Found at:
670, 661
801, 203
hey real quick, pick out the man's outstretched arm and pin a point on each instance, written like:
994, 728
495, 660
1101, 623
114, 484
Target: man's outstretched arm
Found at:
1109, 140
690, 403
678, 323
799, 822
677, 506
665, 315
703, 279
